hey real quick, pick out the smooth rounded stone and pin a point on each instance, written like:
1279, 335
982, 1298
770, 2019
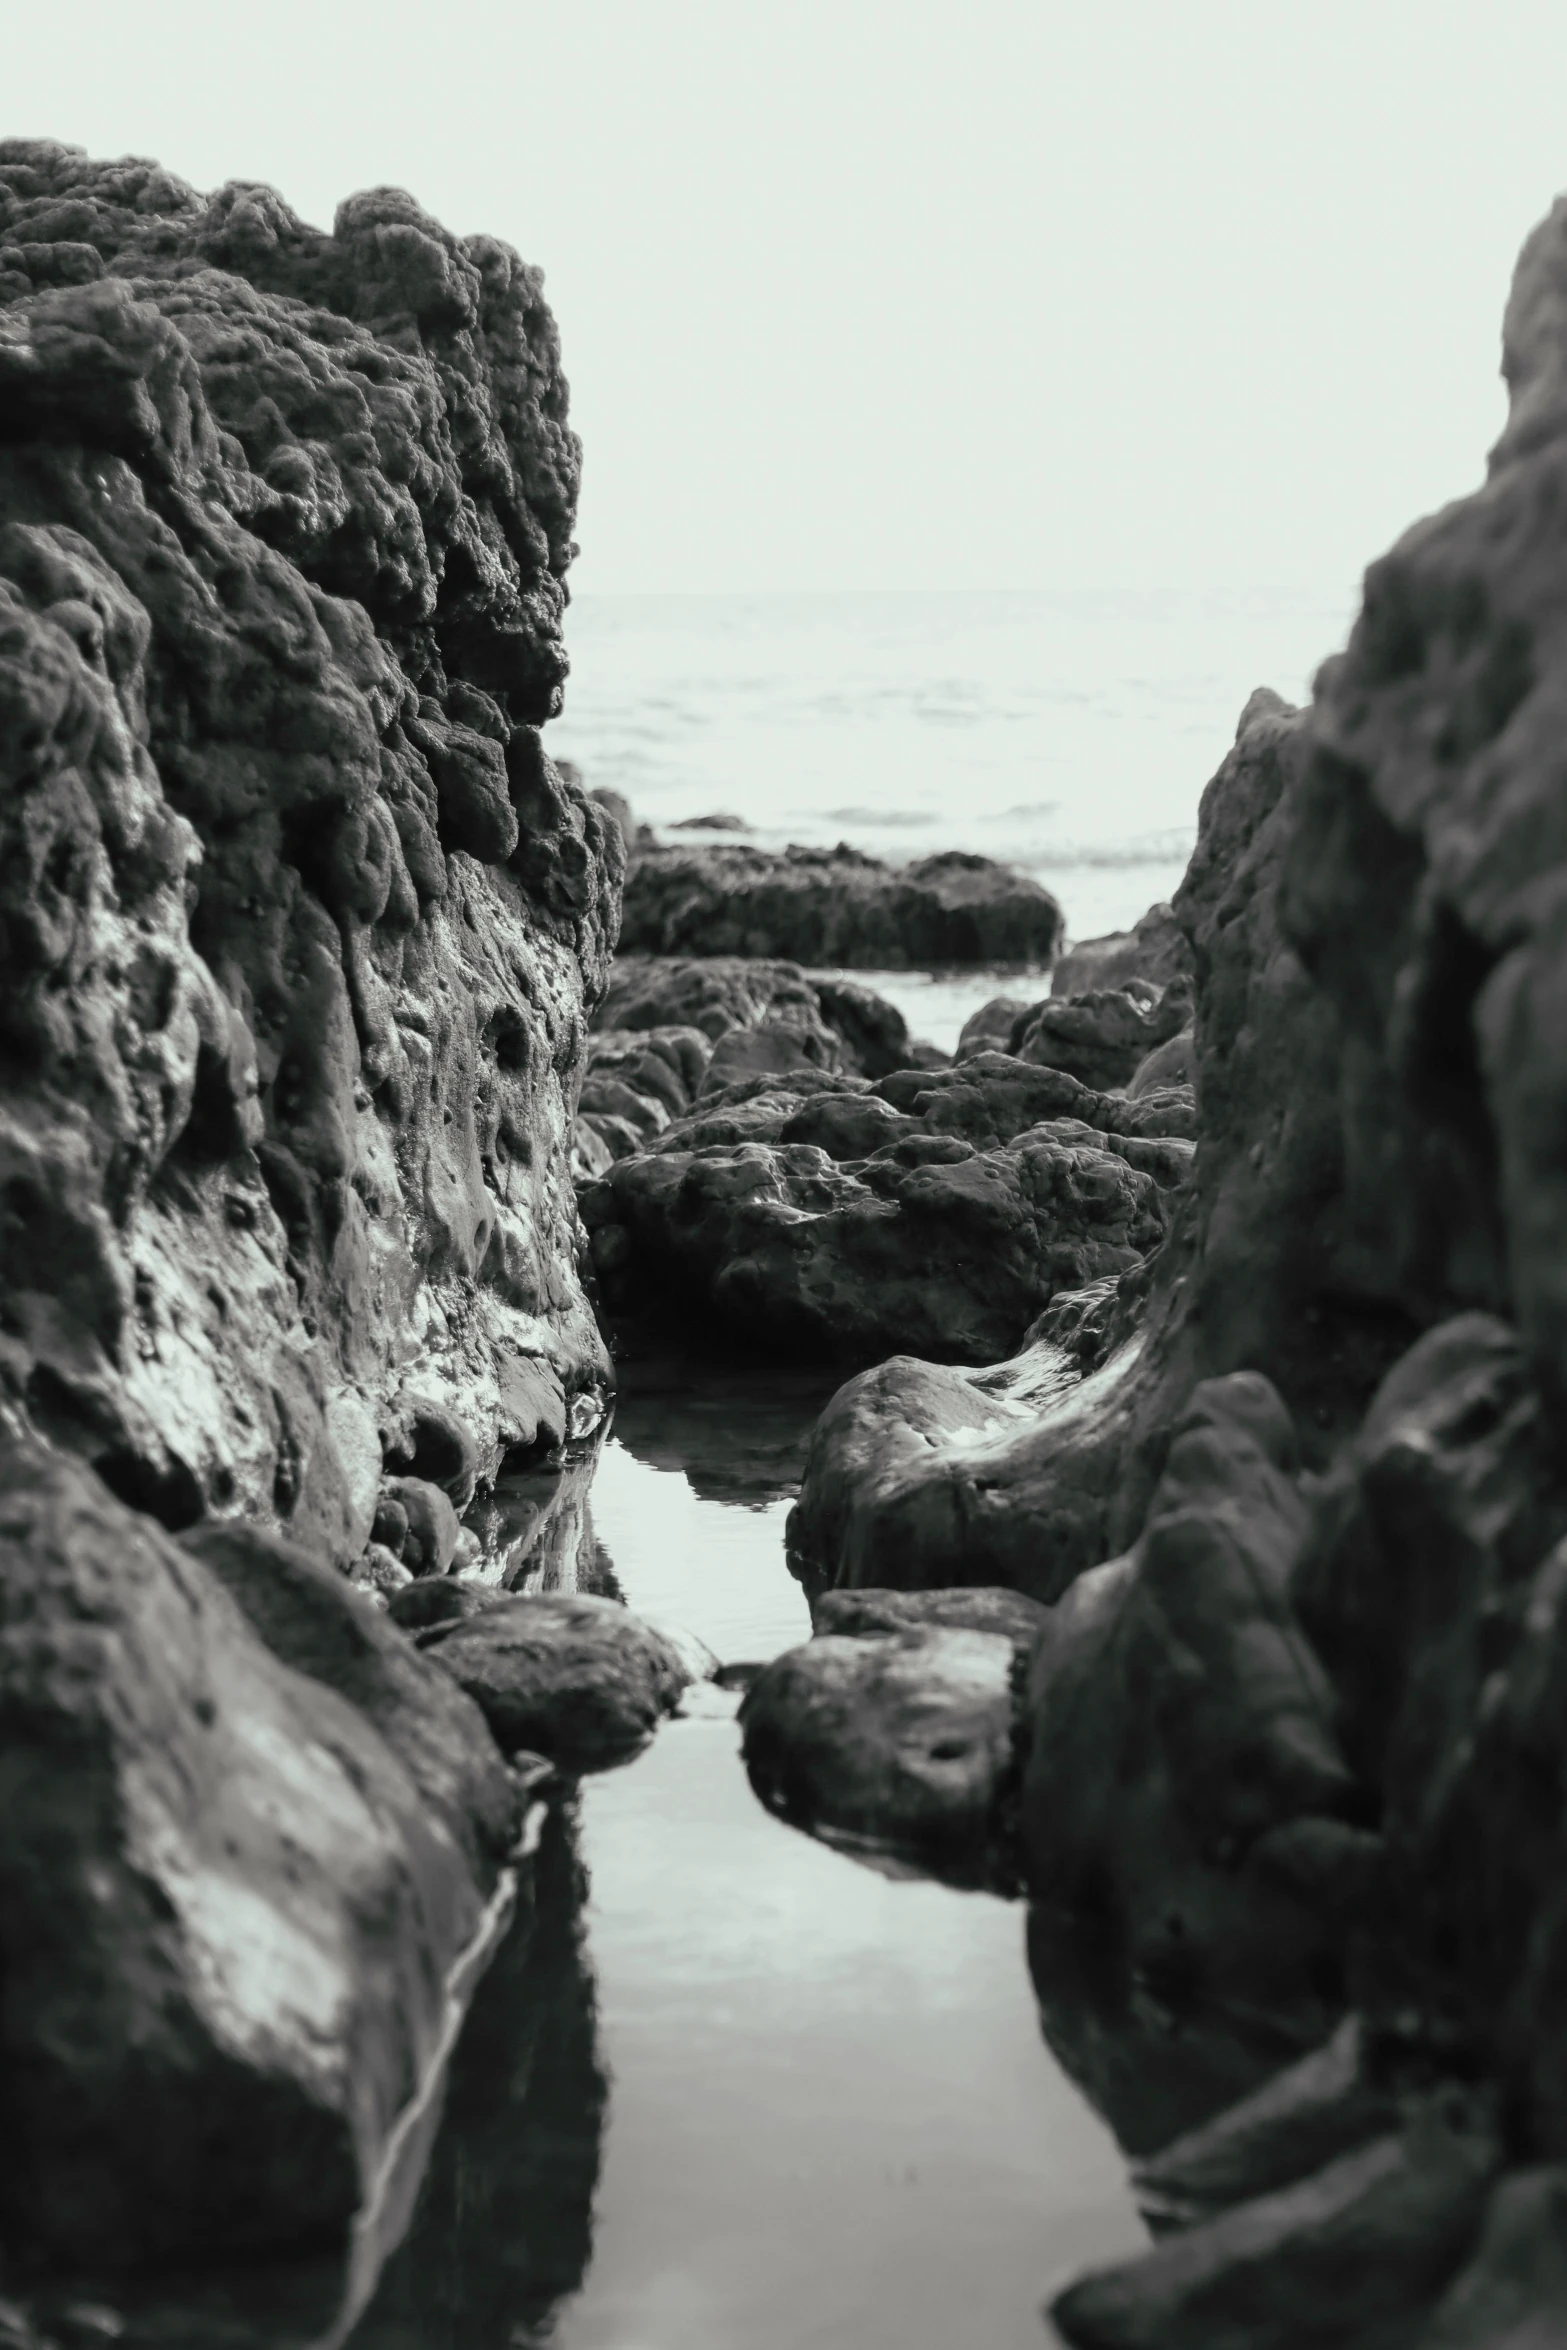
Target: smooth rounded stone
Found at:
990, 1028
1172, 1063
389, 1527
934, 1248
1513, 2294
985, 1608
315, 1622
1101, 1038
1331, 2263
1316, 2109
837, 907
920, 1470
323, 1075
430, 1544
574, 1677
873, 1033
895, 1748
773, 1049
441, 1599
1154, 953
228, 1891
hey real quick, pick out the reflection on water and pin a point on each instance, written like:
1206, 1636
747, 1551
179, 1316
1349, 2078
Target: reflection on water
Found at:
503, 2229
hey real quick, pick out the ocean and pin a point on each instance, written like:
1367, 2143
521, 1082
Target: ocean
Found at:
1066, 733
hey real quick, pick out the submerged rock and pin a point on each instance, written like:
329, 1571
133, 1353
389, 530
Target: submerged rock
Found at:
837, 906
566, 1675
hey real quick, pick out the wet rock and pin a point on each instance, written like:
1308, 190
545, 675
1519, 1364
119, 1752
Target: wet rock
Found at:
1304, 2117
771, 1049
1169, 1064
430, 1542
287, 516
837, 906
229, 1912
575, 1678
1155, 954
992, 1097
441, 1599
1101, 1038
984, 1608
895, 1747
1513, 2294
316, 1623
990, 1028
1175, 1718
389, 1527
1348, 2259
927, 1245
873, 1033
710, 994
381, 1572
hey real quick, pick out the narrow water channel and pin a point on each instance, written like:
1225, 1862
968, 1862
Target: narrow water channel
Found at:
727, 2090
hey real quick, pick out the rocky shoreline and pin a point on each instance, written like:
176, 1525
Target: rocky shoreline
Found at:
1185, 1548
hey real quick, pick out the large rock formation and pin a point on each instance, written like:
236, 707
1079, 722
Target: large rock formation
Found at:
1300, 1737
300, 931
300, 925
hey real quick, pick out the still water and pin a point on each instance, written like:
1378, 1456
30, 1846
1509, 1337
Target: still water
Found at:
724, 2089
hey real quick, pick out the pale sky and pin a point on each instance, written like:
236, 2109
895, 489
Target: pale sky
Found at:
1006, 294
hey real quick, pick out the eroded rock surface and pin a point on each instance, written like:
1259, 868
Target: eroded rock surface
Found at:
300, 923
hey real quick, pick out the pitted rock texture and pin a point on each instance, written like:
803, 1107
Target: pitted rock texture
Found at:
837, 906
927, 1245
299, 926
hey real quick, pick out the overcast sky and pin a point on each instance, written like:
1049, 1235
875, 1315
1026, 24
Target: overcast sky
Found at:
1006, 294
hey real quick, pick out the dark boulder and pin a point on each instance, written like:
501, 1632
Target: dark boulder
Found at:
894, 1748
837, 907
1101, 1038
567, 1675
1153, 955
230, 1908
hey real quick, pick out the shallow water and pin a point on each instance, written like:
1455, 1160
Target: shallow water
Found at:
765, 2099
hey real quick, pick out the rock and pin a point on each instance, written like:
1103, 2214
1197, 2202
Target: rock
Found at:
229, 1912
1155, 954
381, 1572
1363, 2246
1101, 1038
772, 1049
284, 523
872, 1032
441, 1599
927, 1245
389, 1528
990, 1028
1317, 2109
993, 1097
896, 1747
837, 906
437, 1448
316, 1623
573, 1677
430, 1544
987, 1608
716, 823
1173, 1063
1513, 2294
1175, 1719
